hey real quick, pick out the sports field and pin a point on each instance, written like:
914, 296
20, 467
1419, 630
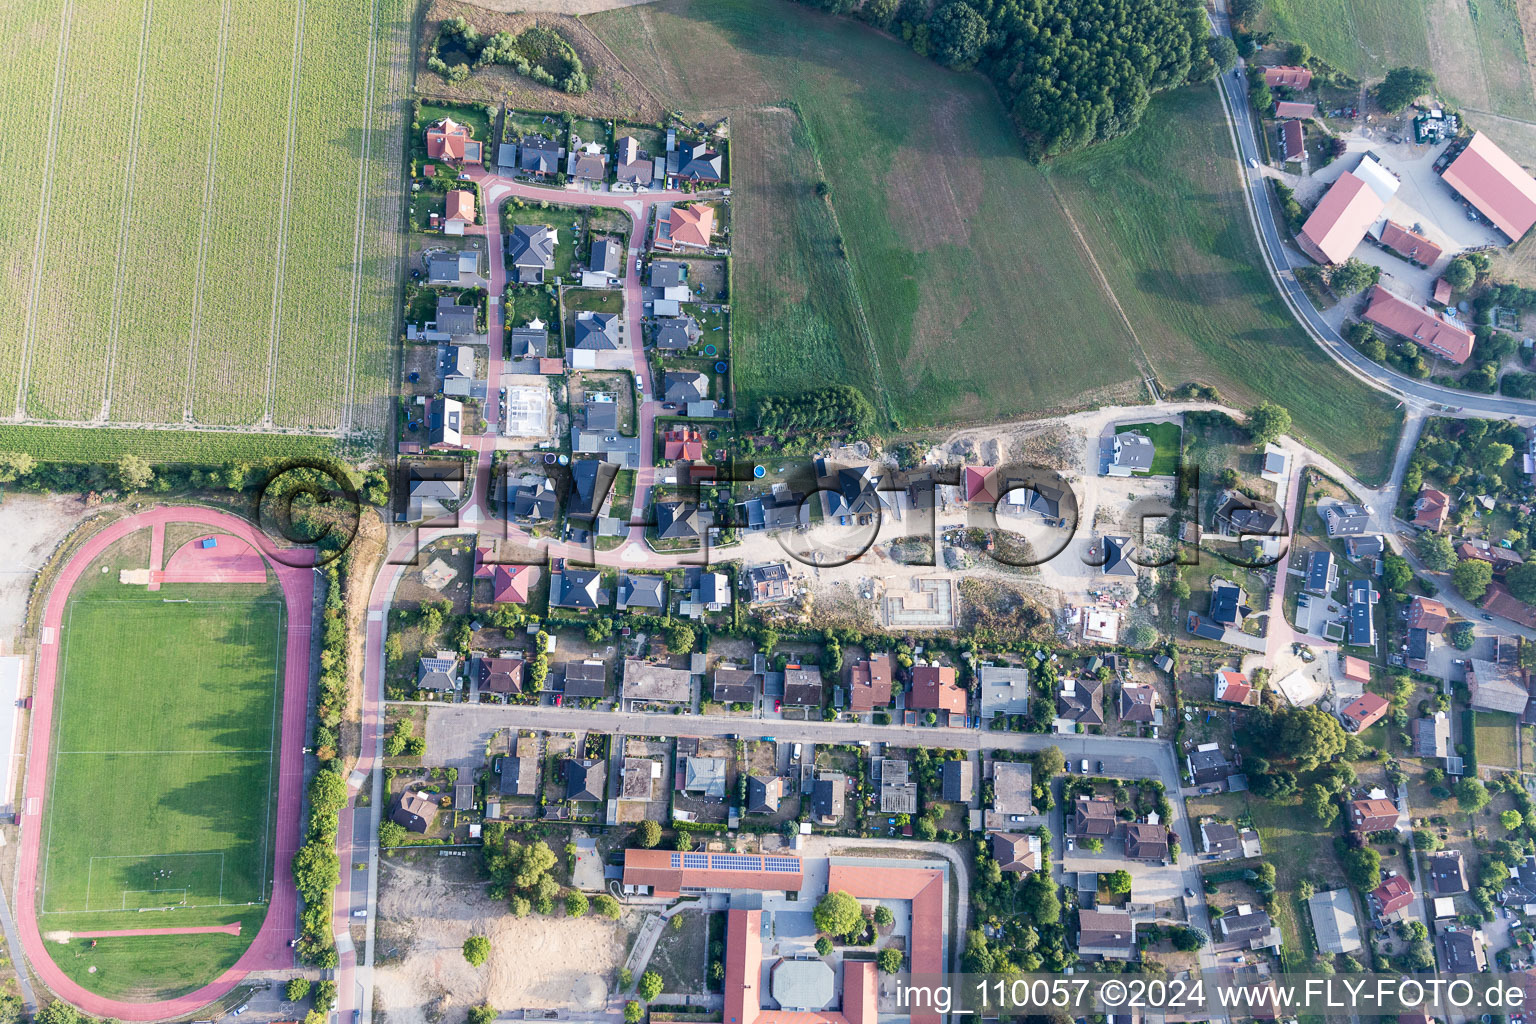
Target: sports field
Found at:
977, 286
200, 221
163, 777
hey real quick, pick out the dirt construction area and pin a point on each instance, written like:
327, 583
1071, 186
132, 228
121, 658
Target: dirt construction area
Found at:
32, 525
428, 906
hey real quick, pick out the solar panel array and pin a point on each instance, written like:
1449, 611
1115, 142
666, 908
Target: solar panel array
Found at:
695, 860
789, 864
735, 862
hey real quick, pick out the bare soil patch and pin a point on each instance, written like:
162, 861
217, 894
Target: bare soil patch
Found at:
428, 906
33, 525
615, 92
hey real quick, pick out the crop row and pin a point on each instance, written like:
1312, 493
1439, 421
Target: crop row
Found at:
153, 337
313, 362
29, 44
235, 316
71, 341
107, 444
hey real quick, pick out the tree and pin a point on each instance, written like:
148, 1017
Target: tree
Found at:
485, 1013
1186, 939
890, 960
1492, 456
648, 834
1460, 274
823, 946
325, 994
604, 905
1426, 841
1511, 820
633, 1014
1402, 86
576, 904
1352, 275
1319, 803
838, 914
650, 985
1462, 635
1362, 867
1471, 578
15, 465
1141, 635
477, 950
1396, 573
1049, 761
956, 34
134, 472
1437, 552
1118, 881
680, 637
1471, 795
296, 990
1093, 844
1223, 53
1308, 736
1266, 422
1521, 581
883, 916
926, 830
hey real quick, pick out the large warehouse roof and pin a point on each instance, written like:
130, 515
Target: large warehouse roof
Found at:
1490, 180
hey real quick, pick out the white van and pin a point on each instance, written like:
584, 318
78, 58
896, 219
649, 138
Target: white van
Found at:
1085, 766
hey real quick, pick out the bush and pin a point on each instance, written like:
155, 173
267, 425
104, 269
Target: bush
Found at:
477, 950
890, 960
296, 990
575, 904
823, 946
485, 1013
650, 985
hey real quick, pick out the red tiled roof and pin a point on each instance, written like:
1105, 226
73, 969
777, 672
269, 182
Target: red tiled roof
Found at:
1430, 508
1357, 669
509, 584
869, 683
1295, 140
924, 887
1442, 292
656, 869
743, 980
1288, 75
1290, 108
683, 443
1427, 613
446, 139
1372, 815
1365, 710
692, 225
461, 206
1420, 325
1490, 180
981, 483
1499, 601
1393, 894
1232, 686
934, 689
1340, 219
1409, 243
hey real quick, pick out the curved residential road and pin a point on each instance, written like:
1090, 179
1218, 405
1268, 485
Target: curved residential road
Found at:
269, 950
1232, 88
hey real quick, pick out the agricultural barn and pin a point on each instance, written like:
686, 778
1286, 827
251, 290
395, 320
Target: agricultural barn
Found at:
1346, 212
1500, 189
1442, 335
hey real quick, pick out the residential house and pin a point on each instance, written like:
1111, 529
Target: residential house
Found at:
632, 164
1146, 842
415, 811
538, 156
642, 590
1333, 921
531, 248
734, 685
585, 779
1293, 109
1207, 765
898, 790
1409, 244
1093, 817
648, 682
456, 321
1227, 607
676, 333
1138, 703
829, 798
439, 674
689, 227
1440, 333
587, 163
935, 688
869, 683
1362, 621
1345, 519
1428, 614
1107, 934
447, 268
958, 781
1501, 558
596, 332
696, 161
1080, 702
530, 343
1117, 557
1371, 815
768, 584
458, 211
704, 776
1219, 840
431, 498
585, 679
1249, 929
1432, 735
1017, 852
685, 521
607, 262
684, 386
1287, 76
1293, 141
1364, 711
802, 686
1447, 873
1462, 950
1013, 789
1416, 650
591, 482
668, 274
1322, 573
706, 592
502, 676
1392, 897
1499, 683
763, 795
1132, 453
1232, 687
452, 143
1240, 516
581, 589
532, 501
1004, 690
1430, 509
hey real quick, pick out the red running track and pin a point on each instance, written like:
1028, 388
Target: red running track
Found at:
269, 950
211, 929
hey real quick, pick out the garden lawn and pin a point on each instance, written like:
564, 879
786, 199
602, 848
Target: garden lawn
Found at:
1163, 212
1166, 439
1495, 739
162, 780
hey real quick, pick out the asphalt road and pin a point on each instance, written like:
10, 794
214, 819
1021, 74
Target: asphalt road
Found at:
1233, 89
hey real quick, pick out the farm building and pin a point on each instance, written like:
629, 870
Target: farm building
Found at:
1348, 209
1441, 334
1500, 189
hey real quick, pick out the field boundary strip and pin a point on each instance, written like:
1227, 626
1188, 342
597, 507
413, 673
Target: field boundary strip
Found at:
125, 217
280, 257
360, 215
45, 204
209, 169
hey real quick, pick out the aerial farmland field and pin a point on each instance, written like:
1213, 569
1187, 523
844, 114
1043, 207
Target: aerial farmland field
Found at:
196, 232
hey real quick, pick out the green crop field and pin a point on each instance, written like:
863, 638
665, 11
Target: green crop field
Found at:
201, 447
163, 777
968, 291
1162, 210
202, 223
1475, 47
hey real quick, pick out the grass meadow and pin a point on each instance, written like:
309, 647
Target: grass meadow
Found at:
199, 228
977, 286
163, 776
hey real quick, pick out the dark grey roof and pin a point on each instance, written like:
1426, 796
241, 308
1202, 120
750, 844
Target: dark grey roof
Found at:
735, 686
763, 794
1207, 766
642, 591
1345, 519
443, 268
829, 797
436, 673
455, 319
685, 386
1117, 557
527, 343
1134, 450
802, 687
590, 481
1245, 516
602, 415
696, 160
539, 155
584, 779
1320, 572
668, 273
597, 330
633, 164
578, 588
532, 501
1362, 627
676, 333
1227, 605
585, 679
676, 520
959, 780
607, 257
532, 247
1418, 644
1367, 546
